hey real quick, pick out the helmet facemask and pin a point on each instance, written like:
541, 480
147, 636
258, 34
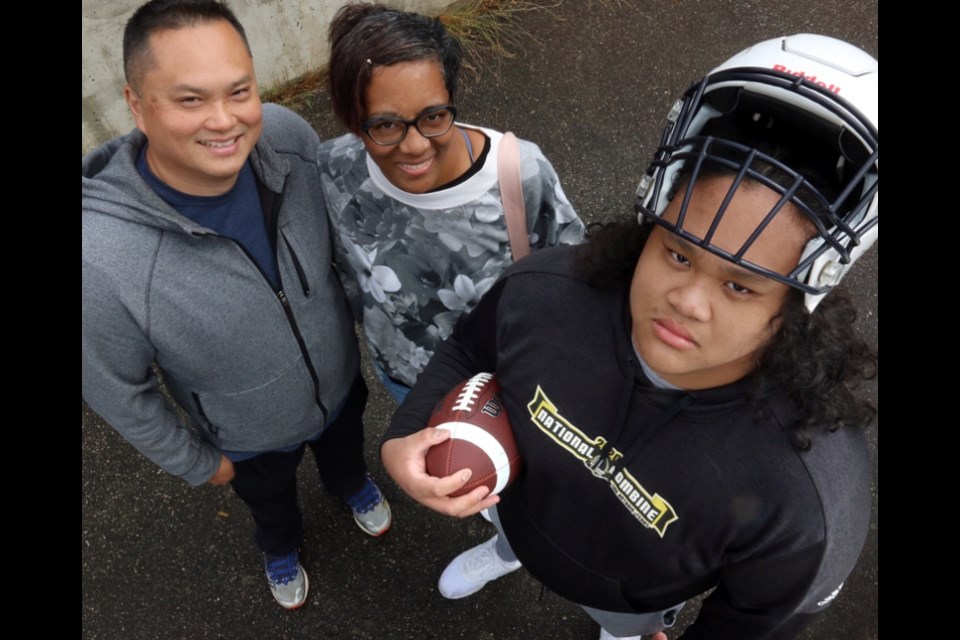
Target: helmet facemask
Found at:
796, 138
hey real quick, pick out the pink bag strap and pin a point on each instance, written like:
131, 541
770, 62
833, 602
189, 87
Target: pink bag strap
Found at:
511, 192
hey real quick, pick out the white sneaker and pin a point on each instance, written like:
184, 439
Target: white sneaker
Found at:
474, 568
606, 635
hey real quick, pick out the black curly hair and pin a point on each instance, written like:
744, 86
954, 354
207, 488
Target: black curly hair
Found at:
818, 360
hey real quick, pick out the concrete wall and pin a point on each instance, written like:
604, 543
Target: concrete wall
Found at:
288, 38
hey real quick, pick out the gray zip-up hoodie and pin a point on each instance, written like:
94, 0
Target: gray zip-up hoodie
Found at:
255, 369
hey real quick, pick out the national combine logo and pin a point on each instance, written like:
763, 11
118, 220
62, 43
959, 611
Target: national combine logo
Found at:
650, 510
545, 415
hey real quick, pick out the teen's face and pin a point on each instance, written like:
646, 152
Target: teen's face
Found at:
404, 90
698, 320
197, 104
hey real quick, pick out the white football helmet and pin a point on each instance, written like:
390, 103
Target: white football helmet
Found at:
798, 114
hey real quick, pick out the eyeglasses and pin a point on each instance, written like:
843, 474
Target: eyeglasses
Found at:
431, 123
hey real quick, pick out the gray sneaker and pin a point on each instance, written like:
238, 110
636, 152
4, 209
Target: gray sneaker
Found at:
371, 511
288, 581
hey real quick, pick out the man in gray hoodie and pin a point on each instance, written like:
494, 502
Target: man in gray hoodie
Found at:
206, 257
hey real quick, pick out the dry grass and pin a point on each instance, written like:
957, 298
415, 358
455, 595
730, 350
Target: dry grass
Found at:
297, 93
487, 29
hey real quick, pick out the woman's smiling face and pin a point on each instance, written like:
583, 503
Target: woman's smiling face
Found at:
405, 90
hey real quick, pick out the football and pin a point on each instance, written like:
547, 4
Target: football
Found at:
481, 436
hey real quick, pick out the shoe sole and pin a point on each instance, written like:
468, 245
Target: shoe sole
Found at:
475, 589
462, 595
370, 533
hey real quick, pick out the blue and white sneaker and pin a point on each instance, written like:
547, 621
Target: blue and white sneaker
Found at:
371, 511
288, 581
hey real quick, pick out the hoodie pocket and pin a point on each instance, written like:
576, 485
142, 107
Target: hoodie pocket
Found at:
278, 412
212, 428
554, 567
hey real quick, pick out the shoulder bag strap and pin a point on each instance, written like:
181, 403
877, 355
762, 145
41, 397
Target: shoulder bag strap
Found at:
511, 192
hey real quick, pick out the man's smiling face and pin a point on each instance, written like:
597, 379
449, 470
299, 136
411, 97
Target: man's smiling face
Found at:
197, 104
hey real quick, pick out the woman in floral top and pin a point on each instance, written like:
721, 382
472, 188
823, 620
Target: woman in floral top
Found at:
413, 195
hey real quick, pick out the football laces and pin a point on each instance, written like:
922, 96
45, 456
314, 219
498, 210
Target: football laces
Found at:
471, 392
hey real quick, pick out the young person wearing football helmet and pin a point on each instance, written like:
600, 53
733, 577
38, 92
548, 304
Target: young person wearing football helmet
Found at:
681, 390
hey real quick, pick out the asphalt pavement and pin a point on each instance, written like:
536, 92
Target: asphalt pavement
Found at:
590, 82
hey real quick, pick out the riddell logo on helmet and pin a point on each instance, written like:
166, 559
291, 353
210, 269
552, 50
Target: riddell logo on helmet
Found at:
801, 74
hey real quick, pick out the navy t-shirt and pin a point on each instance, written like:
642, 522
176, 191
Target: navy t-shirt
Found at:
236, 214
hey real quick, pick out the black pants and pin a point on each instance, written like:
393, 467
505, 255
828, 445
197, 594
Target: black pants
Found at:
268, 483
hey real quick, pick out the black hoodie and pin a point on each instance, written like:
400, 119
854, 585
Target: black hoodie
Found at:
634, 498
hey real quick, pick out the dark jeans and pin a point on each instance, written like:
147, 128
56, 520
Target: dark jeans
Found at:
268, 483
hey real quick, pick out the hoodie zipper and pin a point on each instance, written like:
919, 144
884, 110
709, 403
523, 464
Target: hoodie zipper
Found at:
274, 219
288, 311
301, 274
303, 349
214, 429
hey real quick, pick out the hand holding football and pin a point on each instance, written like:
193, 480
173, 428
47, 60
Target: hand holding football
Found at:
481, 437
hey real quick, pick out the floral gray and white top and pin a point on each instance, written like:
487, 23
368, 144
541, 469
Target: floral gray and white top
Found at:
412, 263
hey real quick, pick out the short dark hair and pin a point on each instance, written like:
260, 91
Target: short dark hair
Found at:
364, 36
161, 15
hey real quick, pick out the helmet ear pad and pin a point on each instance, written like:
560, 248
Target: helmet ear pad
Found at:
792, 132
